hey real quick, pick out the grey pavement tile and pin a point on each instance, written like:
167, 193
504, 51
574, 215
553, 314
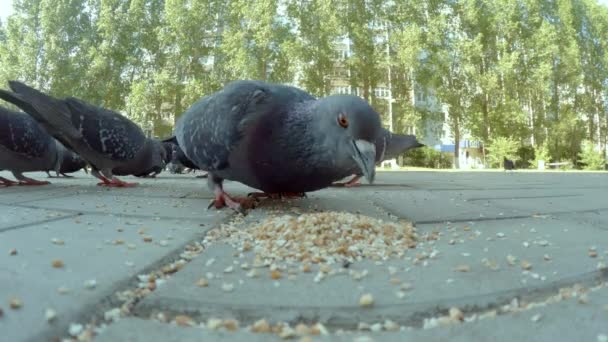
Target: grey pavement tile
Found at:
106, 249
563, 321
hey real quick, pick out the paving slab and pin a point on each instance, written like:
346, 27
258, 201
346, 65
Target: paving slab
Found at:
109, 248
475, 229
13, 217
473, 267
564, 321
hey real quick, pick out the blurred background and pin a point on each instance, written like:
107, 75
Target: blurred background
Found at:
475, 80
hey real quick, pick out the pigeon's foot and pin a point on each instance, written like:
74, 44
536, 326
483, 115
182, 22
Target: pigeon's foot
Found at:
7, 182
116, 183
276, 195
351, 183
237, 204
66, 176
29, 181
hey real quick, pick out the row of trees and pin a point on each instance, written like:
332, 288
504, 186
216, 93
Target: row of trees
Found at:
533, 71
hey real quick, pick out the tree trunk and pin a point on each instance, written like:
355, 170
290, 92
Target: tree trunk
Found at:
456, 143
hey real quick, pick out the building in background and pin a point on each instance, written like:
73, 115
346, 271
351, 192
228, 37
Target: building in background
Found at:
436, 131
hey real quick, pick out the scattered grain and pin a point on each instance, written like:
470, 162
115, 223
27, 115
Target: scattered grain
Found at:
50, 315
366, 300
57, 263
15, 303
462, 268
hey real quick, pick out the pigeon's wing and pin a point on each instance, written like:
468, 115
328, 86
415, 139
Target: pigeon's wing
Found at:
21, 134
215, 125
52, 113
105, 131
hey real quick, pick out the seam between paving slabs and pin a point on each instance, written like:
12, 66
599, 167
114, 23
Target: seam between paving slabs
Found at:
521, 197
29, 224
97, 213
94, 312
409, 314
492, 218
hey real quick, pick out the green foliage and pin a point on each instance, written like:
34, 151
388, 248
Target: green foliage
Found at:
590, 158
428, 157
541, 153
534, 72
500, 148
526, 157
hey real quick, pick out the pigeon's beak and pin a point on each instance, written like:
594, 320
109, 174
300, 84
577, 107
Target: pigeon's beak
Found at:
364, 154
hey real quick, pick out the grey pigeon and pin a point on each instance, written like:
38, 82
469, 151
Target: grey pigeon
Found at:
278, 139
508, 164
389, 146
179, 160
109, 142
69, 162
25, 146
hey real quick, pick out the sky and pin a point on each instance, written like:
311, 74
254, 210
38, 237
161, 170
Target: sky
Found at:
6, 7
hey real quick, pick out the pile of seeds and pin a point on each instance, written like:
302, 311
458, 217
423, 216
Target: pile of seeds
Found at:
326, 237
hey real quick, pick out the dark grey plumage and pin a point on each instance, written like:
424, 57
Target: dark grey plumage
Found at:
508, 164
70, 162
278, 139
25, 146
108, 141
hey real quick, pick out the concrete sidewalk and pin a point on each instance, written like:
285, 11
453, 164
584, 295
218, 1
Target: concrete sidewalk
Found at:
498, 256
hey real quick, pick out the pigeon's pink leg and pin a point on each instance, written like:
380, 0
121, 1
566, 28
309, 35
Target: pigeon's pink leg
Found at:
115, 182
7, 182
222, 199
104, 180
350, 183
28, 181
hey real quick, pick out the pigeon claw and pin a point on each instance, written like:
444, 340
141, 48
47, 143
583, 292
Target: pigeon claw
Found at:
7, 182
237, 204
116, 183
351, 183
29, 181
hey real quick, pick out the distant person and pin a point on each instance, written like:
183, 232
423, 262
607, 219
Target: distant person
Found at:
508, 164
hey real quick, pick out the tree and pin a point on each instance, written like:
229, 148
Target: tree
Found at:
500, 148
315, 43
253, 40
590, 158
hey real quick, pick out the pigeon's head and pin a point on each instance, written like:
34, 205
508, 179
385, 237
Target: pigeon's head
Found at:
71, 162
351, 125
169, 147
157, 157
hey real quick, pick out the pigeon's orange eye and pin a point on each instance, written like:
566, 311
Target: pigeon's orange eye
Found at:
342, 120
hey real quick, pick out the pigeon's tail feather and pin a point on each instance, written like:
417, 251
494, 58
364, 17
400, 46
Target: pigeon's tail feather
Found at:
52, 113
16, 100
399, 143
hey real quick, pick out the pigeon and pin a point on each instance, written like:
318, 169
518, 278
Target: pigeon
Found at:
70, 162
179, 160
389, 146
25, 146
277, 139
109, 142
152, 173
508, 164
